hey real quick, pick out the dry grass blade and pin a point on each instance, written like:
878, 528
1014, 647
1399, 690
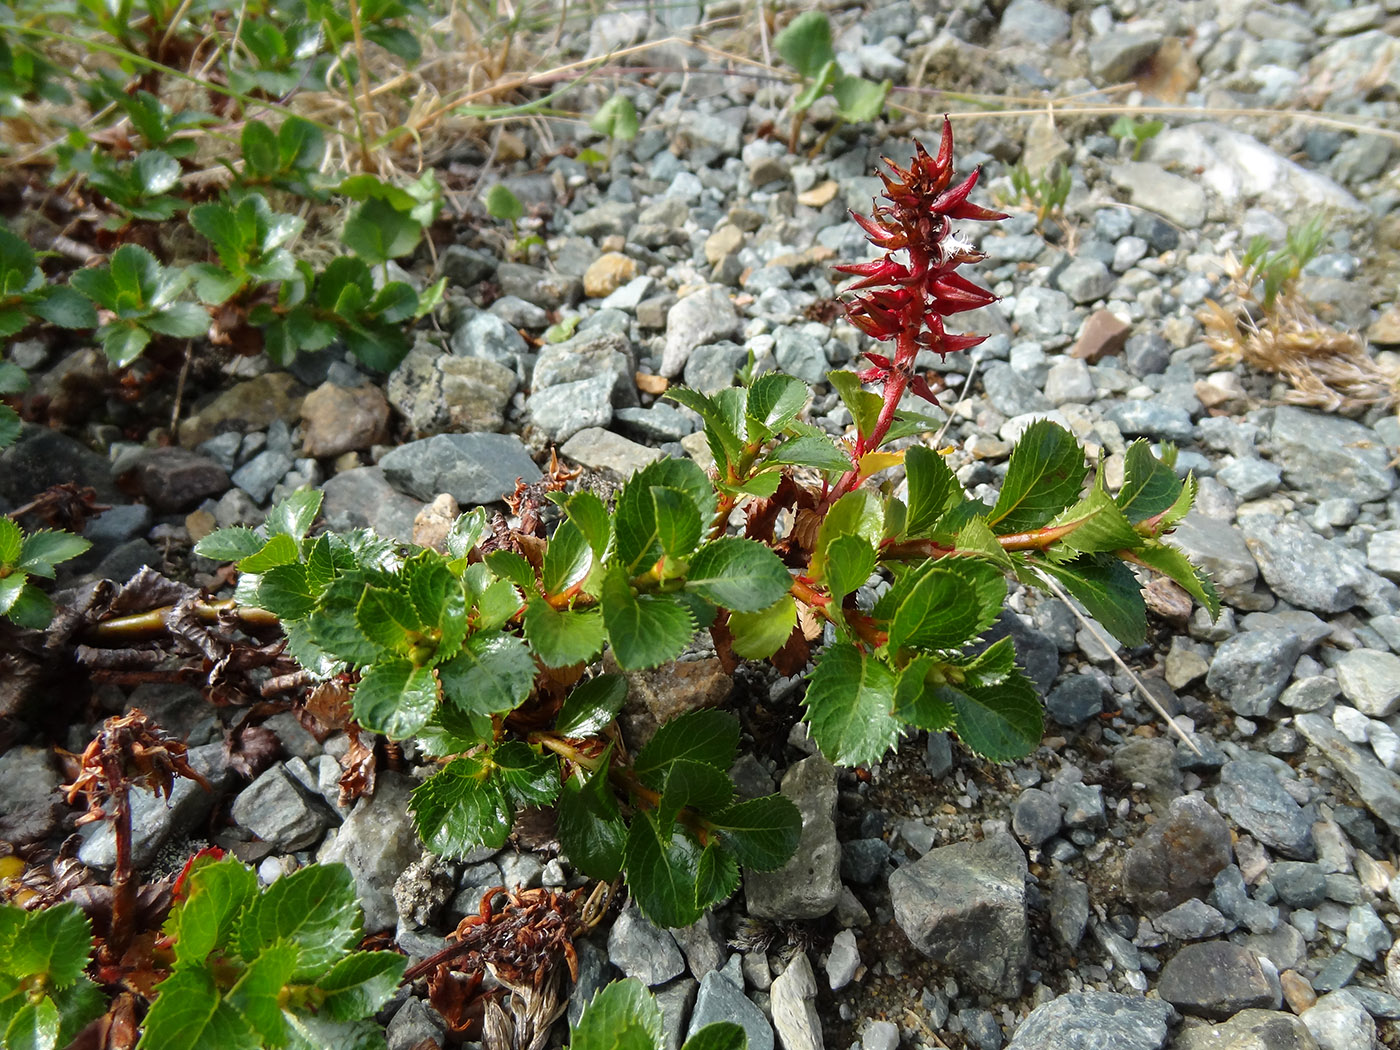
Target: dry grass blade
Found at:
1328, 368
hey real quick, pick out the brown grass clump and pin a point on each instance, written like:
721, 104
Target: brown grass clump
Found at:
1328, 368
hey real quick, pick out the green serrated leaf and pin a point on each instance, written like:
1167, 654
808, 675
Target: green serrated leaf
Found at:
718, 1035
951, 603
849, 700
590, 826
591, 706
377, 232
849, 562
932, 488
809, 450
622, 1016
774, 401
513, 567
497, 604
466, 532
695, 785
762, 833
11, 541
492, 674
859, 100
294, 515
284, 591
64, 307
527, 777
725, 441
386, 617
738, 574
663, 867
587, 512
360, 984
567, 560
188, 1014
1109, 590
864, 405
678, 524
1149, 485
757, 636
280, 549
717, 877
316, 908
992, 666
31, 608
706, 736
1172, 563
916, 698
616, 118
395, 698
333, 626
859, 513
53, 944
1098, 526
644, 630
460, 808
215, 896
562, 638
1044, 476
10, 426
998, 722
34, 1027
256, 994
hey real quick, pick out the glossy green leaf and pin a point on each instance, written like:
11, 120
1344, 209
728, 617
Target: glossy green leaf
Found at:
395, 698
932, 487
527, 777
864, 405
916, 697
738, 574
774, 401
492, 674
1109, 590
716, 878
513, 567
1149, 485
718, 1035
280, 549
859, 100
285, 592
360, 984
64, 307
386, 617
256, 994
34, 1027
998, 722
1043, 478
678, 524
587, 512
758, 635
562, 638
53, 943
950, 604
860, 513
622, 1016
662, 867
216, 894
1099, 526
644, 630
461, 807
44, 549
706, 736
849, 700
590, 827
377, 232
725, 441
849, 562
1172, 563
567, 560
467, 531
695, 785
11, 541
315, 908
188, 1014
761, 832
591, 706
809, 450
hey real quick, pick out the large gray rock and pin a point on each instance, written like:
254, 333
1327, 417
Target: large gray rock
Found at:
1376, 786
436, 392
1177, 859
1095, 1021
586, 356
30, 804
1177, 199
721, 1000
377, 842
809, 885
1216, 980
559, 412
1311, 572
640, 949
1249, 1030
1253, 798
704, 316
1327, 456
1250, 670
279, 809
472, 468
1338, 1021
964, 906
1219, 549
1370, 679
794, 1003
362, 498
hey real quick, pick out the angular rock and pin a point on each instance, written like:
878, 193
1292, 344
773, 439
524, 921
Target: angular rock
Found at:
251, 405
794, 1004
377, 842
473, 468
560, 412
1177, 199
437, 392
1192, 921
964, 906
1376, 786
1249, 1030
1370, 679
1069, 909
704, 316
640, 949
176, 479
277, 808
1250, 670
721, 1000
1216, 980
599, 449
1339, 1022
1311, 572
1035, 816
1253, 798
336, 419
1327, 456
30, 804
1178, 858
808, 885
1095, 1021
363, 499
1219, 549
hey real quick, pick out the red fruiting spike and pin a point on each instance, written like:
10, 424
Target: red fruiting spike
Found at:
919, 385
872, 375
944, 163
954, 293
945, 202
879, 360
942, 343
974, 211
871, 327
